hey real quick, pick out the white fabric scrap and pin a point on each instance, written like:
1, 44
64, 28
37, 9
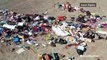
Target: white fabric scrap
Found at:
20, 23
20, 51
9, 26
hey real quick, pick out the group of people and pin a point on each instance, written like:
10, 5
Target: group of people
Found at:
19, 28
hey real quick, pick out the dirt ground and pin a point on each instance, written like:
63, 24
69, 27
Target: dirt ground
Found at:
40, 6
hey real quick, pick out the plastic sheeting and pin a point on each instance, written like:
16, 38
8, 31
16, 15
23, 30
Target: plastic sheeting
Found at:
59, 32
